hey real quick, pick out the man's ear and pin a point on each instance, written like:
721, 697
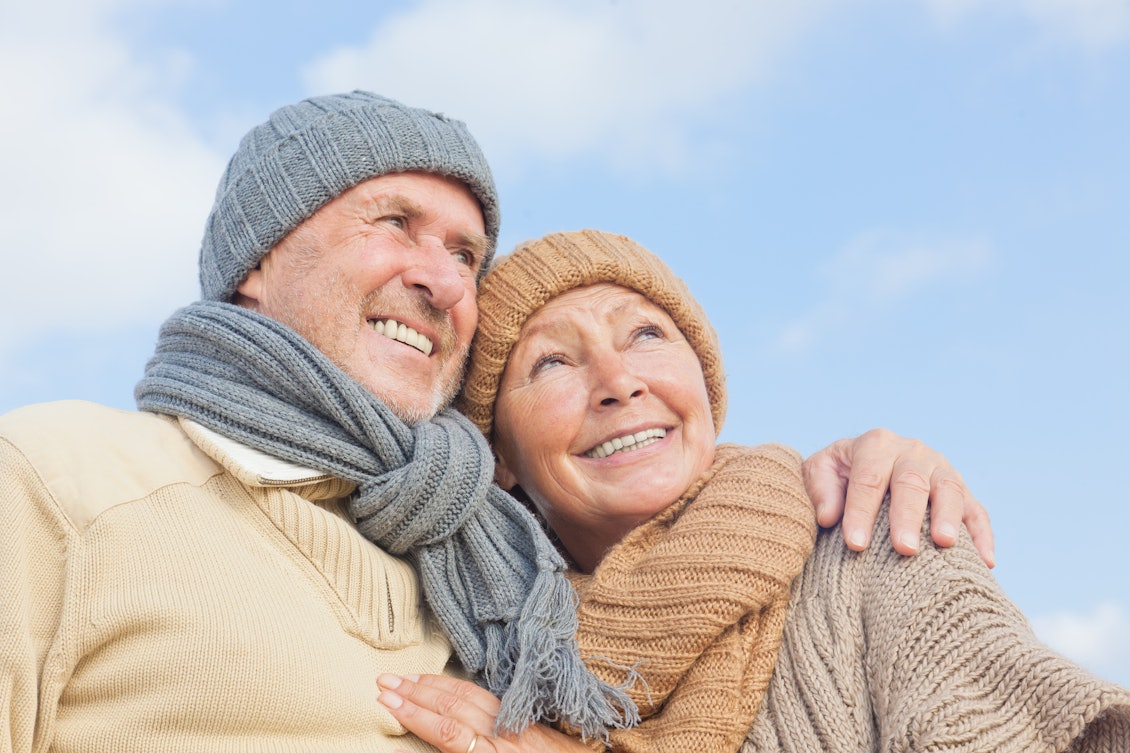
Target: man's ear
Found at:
502, 474
250, 292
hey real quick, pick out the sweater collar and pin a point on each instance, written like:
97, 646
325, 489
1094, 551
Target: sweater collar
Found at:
256, 468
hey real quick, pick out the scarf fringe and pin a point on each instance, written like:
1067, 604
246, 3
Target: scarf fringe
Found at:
541, 677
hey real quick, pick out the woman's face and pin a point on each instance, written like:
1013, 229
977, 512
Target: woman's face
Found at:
602, 415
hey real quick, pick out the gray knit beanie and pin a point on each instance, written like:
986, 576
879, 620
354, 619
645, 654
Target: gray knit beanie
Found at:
307, 154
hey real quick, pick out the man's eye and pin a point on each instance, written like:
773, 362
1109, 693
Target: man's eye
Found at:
396, 221
464, 257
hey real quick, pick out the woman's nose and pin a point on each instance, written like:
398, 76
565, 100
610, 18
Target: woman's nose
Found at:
615, 383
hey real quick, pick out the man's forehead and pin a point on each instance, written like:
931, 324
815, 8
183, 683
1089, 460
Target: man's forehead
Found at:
399, 191
412, 178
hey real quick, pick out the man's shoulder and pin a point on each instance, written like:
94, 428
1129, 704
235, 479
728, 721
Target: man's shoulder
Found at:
90, 457
78, 425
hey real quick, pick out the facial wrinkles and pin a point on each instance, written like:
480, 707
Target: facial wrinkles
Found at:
309, 315
411, 309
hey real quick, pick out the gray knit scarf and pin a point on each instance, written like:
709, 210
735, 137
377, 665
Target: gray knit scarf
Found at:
423, 491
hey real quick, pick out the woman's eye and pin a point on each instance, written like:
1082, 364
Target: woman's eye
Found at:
545, 363
649, 332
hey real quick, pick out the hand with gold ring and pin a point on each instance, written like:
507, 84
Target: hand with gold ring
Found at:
457, 716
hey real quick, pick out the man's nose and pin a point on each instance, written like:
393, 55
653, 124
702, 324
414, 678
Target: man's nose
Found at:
436, 273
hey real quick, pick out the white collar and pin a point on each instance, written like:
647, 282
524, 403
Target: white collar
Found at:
249, 465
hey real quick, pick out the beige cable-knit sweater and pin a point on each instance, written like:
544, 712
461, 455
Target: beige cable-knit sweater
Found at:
882, 652
879, 652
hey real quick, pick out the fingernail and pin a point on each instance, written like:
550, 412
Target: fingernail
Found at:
949, 530
389, 681
909, 541
857, 539
390, 699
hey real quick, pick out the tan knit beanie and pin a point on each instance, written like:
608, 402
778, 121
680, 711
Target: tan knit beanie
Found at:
525, 280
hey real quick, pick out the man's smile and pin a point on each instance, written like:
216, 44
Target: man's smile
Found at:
402, 333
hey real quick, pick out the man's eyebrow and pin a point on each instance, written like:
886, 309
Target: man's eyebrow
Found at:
399, 204
477, 243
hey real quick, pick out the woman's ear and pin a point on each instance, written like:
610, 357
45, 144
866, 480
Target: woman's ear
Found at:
502, 475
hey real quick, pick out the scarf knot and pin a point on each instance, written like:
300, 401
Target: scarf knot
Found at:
424, 491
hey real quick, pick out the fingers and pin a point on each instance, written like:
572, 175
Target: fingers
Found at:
871, 460
450, 714
851, 477
910, 495
825, 480
457, 716
436, 686
977, 523
948, 498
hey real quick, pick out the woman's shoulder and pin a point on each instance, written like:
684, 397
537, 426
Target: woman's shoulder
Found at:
770, 453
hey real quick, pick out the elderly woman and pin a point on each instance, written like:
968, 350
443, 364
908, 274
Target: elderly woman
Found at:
599, 382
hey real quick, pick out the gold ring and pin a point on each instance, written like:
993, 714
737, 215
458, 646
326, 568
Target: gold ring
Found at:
474, 742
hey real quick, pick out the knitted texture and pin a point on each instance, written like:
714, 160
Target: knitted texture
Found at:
882, 652
425, 491
152, 601
540, 270
695, 599
311, 152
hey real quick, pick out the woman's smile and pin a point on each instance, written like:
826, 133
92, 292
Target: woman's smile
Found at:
602, 416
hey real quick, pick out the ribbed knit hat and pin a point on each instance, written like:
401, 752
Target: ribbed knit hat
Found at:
525, 280
309, 153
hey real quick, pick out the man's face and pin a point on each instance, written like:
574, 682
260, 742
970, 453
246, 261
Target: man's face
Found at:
382, 280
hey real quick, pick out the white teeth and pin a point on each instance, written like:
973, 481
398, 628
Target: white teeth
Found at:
627, 443
402, 333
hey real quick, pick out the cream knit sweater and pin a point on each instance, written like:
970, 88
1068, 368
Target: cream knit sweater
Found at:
164, 589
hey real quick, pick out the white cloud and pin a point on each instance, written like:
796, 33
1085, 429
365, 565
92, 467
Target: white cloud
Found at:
875, 273
1095, 25
1097, 640
554, 78
105, 185
629, 81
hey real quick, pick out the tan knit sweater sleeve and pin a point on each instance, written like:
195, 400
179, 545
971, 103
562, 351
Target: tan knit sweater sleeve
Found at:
694, 601
888, 653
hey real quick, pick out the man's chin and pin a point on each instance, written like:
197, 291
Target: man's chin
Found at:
422, 407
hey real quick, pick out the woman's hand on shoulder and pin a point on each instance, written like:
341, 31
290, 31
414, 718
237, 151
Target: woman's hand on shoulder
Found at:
457, 716
848, 479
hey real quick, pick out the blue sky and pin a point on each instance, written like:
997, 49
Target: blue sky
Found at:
902, 213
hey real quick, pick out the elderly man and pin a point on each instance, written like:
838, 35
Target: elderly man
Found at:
232, 567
